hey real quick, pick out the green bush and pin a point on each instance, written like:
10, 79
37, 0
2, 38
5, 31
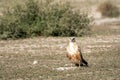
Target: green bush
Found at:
108, 9
43, 18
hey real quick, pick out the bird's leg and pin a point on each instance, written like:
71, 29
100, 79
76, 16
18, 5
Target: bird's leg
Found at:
81, 64
76, 64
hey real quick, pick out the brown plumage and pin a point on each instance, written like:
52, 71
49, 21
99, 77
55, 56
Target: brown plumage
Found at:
74, 53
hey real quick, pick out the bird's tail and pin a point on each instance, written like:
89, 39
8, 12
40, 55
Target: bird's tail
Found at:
85, 62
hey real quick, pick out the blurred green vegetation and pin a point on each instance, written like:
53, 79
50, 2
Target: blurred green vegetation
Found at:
43, 18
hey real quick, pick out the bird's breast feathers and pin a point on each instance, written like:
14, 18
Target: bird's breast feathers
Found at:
72, 48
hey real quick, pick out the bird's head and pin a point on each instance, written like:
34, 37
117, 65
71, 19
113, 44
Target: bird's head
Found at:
72, 39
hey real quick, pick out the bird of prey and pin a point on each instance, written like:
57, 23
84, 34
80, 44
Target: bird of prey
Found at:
74, 53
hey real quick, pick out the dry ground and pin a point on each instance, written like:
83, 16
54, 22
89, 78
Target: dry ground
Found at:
45, 59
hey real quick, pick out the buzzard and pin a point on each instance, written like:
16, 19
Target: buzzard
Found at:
74, 53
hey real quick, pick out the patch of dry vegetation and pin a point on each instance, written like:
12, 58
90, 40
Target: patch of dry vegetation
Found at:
108, 9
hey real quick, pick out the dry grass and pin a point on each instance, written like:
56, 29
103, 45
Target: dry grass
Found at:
40, 58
